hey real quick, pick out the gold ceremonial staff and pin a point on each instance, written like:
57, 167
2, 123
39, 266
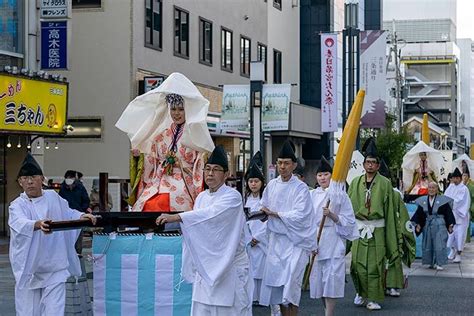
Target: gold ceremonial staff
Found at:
341, 165
425, 131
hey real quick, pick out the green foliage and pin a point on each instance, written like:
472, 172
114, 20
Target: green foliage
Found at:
391, 145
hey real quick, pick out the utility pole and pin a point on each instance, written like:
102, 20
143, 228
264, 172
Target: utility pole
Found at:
398, 76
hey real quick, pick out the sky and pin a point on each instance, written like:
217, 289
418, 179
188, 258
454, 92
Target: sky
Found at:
465, 23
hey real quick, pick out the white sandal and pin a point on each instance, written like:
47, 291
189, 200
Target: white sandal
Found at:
373, 306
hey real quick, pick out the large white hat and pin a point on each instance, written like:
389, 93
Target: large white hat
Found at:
148, 115
411, 161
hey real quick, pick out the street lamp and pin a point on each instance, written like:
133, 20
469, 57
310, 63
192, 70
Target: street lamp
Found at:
350, 57
257, 76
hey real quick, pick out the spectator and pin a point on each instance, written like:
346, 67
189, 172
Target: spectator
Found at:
75, 194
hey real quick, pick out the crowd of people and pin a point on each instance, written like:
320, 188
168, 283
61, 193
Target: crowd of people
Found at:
233, 262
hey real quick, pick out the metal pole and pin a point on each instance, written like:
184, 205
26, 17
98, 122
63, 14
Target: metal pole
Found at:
344, 76
398, 82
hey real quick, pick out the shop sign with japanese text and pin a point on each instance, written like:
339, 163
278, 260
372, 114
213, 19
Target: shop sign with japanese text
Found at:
329, 82
53, 9
29, 105
54, 45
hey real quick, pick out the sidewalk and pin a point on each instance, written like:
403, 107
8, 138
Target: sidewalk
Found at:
465, 269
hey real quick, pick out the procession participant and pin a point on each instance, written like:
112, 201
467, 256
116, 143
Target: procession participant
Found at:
292, 235
421, 176
435, 219
256, 232
462, 202
406, 241
327, 278
41, 261
372, 199
466, 179
168, 125
214, 257
421, 164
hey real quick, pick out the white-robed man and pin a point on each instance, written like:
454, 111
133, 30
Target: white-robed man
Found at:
292, 235
462, 202
214, 257
328, 273
41, 261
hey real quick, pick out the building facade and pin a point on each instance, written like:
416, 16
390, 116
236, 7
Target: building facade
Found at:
430, 64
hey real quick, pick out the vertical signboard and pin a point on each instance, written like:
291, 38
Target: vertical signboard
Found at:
373, 75
328, 83
54, 45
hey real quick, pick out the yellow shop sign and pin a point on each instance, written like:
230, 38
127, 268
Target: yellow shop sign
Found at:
32, 105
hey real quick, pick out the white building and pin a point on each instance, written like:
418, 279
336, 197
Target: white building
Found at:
430, 61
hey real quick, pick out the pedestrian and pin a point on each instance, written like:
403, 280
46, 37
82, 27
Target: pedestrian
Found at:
461, 205
170, 139
215, 260
291, 235
41, 261
434, 218
75, 194
95, 198
328, 273
372, 200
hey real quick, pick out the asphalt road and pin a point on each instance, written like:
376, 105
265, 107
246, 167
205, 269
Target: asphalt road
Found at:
424, 296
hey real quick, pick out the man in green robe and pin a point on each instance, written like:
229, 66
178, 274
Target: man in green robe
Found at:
372, 199
406, 241
466, 179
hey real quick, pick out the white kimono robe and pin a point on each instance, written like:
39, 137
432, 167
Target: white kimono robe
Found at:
291, 238
257, 254
329, 270
41, 263
462, 202
214, 255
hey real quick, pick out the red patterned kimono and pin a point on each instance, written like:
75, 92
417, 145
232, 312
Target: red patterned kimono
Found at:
163, 186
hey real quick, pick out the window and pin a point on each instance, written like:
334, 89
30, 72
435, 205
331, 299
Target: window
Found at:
244, 56
205, 41
86, 3
262, 56
226, 49
153, 23
277, 4
276, 66
181, 32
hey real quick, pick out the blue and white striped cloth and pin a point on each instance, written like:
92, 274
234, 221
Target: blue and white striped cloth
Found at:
138, 274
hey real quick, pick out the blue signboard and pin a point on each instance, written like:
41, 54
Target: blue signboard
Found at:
54, 45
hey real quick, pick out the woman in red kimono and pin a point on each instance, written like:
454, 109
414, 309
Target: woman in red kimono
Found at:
168, 125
